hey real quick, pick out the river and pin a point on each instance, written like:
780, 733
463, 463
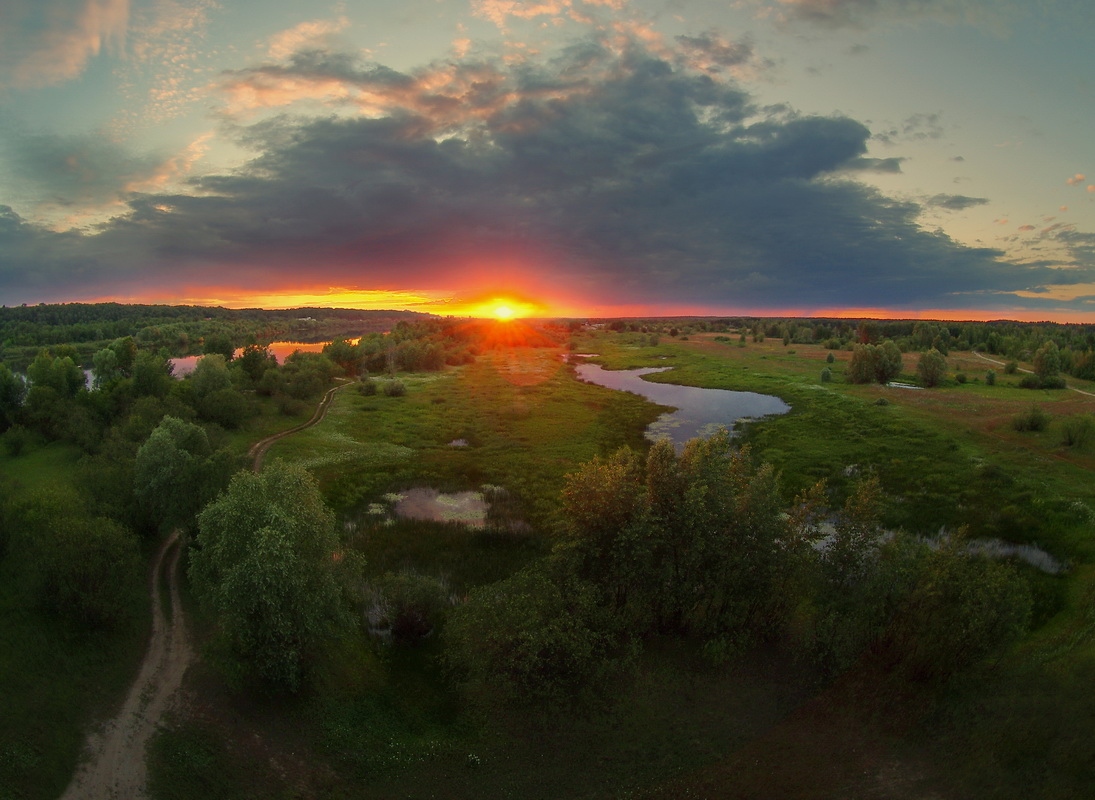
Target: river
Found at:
698, 412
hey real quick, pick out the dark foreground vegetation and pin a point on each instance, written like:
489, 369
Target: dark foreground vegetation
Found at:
771, 615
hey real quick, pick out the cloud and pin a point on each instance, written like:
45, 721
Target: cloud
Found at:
76, 169
955, 202
46, 42
1076, 179
500, 12
916, 128
861, 13
711, 52
609, 170
312, 35
166, 65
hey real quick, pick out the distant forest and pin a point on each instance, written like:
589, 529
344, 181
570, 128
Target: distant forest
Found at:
1018, 341
181, 330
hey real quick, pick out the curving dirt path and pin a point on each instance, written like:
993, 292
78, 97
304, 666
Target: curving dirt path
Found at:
258, 451
116, 766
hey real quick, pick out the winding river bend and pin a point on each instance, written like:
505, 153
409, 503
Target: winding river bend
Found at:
699, 412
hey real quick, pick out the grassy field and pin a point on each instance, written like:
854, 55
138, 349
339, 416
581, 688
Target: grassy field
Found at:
526, 422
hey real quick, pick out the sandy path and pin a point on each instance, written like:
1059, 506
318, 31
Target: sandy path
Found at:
116, 766
258, 451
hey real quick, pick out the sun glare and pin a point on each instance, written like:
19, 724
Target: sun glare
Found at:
503, 312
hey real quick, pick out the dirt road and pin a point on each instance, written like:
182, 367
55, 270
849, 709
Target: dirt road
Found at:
258, 451
116, 766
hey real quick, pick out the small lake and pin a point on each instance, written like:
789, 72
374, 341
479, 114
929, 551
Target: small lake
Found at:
699, 412
184, 365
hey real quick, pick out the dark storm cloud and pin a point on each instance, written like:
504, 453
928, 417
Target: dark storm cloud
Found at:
955, 202
75, 169
611, 170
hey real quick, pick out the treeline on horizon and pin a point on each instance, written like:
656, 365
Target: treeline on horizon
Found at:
1012, 340
183, 329
180, 330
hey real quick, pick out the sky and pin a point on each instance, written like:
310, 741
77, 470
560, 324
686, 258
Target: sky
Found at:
889, 158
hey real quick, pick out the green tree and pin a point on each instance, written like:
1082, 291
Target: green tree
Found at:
176, 472
695, 544
963, 609
538, 636
210, 375
125, 350
105, 370
1047, 360
931, 368
151, 375
255, 360
13, 391
265, 566
219, 344
83, 568
90, 571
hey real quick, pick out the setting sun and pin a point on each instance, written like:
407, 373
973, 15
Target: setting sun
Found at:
503, 312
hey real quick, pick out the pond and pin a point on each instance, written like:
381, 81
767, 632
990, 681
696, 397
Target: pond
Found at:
184, 365
699, 412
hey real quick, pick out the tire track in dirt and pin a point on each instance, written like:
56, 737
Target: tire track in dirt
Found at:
258, 450
116, 765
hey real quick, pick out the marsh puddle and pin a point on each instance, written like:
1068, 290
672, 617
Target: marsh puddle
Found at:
699, 412
469, 508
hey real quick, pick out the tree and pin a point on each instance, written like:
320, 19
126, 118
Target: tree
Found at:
219, 344
176, 472
963, 608
105, 370
13, 391
931, 368
210, 375
255, 361
265, 566
1047, 360
875, 363
82, 568
538, 636
693, 544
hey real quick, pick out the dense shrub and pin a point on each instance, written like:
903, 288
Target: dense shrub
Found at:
990, 378
367, 387
1078, 431
90, 572
963, 609
534, 637
1011, 368
406, 607
1030, 382
395, 388
1035, 419
826, 375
